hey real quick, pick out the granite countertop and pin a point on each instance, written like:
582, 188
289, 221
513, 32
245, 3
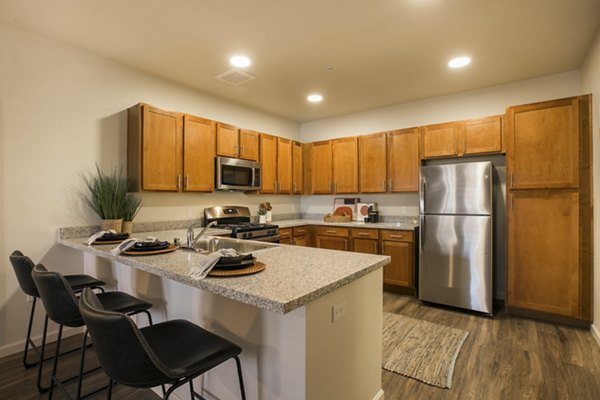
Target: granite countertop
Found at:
399, 225
294, 275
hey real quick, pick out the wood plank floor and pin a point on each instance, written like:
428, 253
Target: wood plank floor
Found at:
504, 358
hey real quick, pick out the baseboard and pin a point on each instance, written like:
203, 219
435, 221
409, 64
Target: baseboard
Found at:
379, 395
595, 333
17, 347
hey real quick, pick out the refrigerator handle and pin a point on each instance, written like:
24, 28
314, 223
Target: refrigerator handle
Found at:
422, 195
421, 232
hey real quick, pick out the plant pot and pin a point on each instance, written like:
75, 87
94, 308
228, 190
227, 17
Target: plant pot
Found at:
269, 216
106, 224
262, 219
127, 227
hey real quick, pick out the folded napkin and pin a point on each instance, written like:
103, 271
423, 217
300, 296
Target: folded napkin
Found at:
207, 262
97, 235
124, 245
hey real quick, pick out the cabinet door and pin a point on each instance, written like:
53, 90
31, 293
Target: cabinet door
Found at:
543, 145
370, 246
297, 168
286, 235
198, 154
268, 160
161, 149
483, 135
227, 140
345, 165
249, 145
321, 167
284, 165
332, 242
440, 140
403, 160
300, 240
372, 163
543, 252
399, 271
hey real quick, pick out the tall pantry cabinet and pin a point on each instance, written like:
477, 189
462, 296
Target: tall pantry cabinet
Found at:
549, 209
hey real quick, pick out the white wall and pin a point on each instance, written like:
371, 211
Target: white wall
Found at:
472, 104
590, 81
62, 110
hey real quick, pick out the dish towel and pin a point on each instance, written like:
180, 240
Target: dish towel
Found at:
125, 245
207, 262
97, 235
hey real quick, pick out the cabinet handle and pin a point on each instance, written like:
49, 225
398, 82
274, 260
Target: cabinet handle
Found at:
511, 179
332, 232
300, 232
187, 182
275, 186
364, 234
455, 152
391, 187
178, 182
396, 236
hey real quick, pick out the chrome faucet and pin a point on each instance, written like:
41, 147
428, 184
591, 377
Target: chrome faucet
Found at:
191, 239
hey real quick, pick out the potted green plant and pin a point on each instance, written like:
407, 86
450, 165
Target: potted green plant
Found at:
131, 207
106, 195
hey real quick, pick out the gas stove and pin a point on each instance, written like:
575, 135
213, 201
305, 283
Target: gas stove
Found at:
237, 219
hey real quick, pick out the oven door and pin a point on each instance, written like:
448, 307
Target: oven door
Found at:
236, 174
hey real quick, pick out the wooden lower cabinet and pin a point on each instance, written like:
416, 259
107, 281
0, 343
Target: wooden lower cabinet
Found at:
365, 240
286, 235
543, 253
297, 236
399, 246
332, 238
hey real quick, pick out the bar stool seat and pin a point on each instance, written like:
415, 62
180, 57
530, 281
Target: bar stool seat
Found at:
172, 352
23, 265
62, 307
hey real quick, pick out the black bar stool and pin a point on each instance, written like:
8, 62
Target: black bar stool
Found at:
62, 307
22, 265
172, 352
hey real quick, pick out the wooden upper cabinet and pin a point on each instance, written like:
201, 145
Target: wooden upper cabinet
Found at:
372, 163
297, 168
227, 140
268, 160
544, 271
543, 145
161, 149
403, 160
248, 149
483, 135
321, 167
284, 165
441, 140
198, 154
345, 165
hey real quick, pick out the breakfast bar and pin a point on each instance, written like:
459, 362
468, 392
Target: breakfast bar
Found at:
309, 324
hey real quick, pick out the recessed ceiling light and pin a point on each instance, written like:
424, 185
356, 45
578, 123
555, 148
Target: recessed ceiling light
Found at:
240, 61
314, 98
459, 62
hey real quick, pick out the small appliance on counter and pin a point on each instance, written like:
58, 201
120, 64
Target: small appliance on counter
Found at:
367, 212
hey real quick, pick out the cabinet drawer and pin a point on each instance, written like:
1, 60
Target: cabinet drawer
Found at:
399, 236
365, 233
332, 231
285, 233
300, 230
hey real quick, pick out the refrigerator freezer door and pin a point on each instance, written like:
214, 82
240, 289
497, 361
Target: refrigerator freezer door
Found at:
456, 189
456, 261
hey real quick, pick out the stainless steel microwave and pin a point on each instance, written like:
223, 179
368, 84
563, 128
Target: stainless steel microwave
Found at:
236, 174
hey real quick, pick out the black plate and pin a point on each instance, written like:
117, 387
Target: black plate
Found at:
149, 246
235, 265
111, 237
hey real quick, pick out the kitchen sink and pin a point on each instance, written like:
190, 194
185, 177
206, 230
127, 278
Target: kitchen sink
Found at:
212, 244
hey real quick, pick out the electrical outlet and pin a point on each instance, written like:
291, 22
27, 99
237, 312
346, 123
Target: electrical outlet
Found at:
338, 311
29, 298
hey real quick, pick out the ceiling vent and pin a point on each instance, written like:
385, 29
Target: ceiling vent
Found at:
235, 77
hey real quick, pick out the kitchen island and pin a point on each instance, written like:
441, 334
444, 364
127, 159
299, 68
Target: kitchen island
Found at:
282, 317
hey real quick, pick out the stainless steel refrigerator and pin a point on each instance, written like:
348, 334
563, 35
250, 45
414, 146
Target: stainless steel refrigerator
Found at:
456, 210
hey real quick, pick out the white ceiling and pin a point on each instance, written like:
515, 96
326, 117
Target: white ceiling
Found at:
383, 52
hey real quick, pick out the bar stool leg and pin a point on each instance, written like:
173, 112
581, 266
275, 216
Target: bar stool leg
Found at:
41, 388
81, 363
28, 341
55, 364
239, 370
